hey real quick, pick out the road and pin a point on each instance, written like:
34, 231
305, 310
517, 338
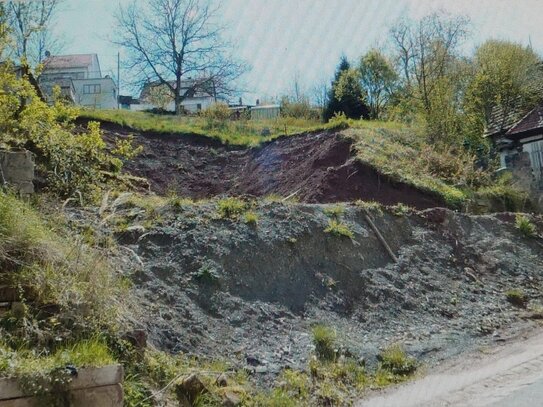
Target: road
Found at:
509, 376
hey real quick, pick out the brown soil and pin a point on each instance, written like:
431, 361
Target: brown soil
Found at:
314, 167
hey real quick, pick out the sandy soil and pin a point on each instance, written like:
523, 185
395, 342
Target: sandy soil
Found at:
489, 378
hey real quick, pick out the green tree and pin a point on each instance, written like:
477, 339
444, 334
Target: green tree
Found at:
378, 79
346, 94
505, 74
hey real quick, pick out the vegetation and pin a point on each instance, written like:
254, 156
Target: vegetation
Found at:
231, 208
241, 132
517, 297
324, 340
525, 226
339, 228
394, 360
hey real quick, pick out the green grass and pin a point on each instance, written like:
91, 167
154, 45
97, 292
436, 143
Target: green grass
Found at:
524, 225
338, 228
324, 339
394, 360
517, 297
233, 132
231, 208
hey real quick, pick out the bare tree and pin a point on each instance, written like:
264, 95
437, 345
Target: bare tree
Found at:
168, 41
30, 26
427, 48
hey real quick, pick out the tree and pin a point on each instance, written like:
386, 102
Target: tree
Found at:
345, 95
350, 95
168, 41
425, 51
30, 22
506, 75
378, 79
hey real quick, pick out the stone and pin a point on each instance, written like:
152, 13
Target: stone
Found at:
189, 389
17, 170
231, 399
222, 380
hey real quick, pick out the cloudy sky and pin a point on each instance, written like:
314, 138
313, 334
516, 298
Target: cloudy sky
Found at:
284, 38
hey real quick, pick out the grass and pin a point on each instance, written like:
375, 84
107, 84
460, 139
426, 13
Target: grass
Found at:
517, 297
338, 228
245, 133
231, 208
324, 339
334, 212
525, 226
251, 218
395, 361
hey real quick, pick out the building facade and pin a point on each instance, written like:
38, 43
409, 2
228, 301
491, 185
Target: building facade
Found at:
80, 80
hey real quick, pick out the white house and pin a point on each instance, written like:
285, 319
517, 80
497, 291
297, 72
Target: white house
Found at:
80, 80
156, 96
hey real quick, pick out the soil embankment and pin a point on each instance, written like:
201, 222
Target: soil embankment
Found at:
312, 167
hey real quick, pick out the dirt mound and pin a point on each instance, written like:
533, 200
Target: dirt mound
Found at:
313, 167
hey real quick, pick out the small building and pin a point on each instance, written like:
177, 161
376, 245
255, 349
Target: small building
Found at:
198, 95
80, 80
265, 112
518, 136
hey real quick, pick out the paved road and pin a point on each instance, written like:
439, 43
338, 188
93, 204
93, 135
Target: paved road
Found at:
511, 376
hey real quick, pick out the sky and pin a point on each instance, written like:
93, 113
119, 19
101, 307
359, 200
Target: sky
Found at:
284, 39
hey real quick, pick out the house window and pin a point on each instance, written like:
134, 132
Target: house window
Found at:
91, 89
199, 107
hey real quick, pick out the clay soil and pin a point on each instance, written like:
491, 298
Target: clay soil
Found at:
313, 168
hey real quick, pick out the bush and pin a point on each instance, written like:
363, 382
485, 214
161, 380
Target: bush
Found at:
338, 228
324, 339
524, 225
217, 116
299, 110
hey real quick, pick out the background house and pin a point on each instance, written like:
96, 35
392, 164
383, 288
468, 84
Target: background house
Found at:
157, 96
80, 80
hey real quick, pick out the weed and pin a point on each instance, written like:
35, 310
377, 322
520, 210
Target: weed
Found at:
334, 212
401, 209
394, 360
517, 297
207, 273
339, 229
231, 208
371, 206
296, 383
324, 339
524, 225
251, 218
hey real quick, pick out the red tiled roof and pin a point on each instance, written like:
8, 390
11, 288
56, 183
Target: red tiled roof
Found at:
68, 61
532, 121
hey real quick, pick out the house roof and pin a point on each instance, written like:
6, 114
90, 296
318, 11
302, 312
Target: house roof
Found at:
69, 61
501, 120
530, 122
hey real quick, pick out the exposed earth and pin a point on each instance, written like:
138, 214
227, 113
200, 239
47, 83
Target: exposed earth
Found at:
250, 292
312, 167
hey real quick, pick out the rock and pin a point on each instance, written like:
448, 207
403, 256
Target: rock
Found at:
222, 380
231, 399
189, 389
252, 360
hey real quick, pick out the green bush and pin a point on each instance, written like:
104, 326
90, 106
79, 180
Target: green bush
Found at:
524, 225
338, 228
231, 208
217, 116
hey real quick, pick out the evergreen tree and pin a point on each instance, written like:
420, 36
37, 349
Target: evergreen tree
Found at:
346, 95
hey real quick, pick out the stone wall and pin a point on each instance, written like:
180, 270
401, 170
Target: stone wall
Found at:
17, 170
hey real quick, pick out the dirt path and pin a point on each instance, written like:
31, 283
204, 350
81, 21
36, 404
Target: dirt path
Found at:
509, 376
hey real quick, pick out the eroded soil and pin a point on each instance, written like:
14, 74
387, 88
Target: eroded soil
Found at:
310, 167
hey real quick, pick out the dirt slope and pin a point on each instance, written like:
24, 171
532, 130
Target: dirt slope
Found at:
215, 287
314, 167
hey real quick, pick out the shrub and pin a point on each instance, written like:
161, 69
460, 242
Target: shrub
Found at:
524, 225
517, 297
335, 211
324, 339
394, 360
217, 116
251, 218
231, 208
339, 229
